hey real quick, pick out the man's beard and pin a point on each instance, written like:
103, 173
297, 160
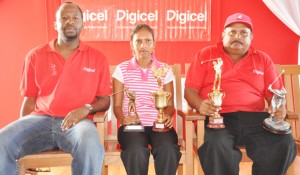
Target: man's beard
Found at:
71, 37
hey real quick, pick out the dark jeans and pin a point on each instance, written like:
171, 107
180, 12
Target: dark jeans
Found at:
271, 153
135, 152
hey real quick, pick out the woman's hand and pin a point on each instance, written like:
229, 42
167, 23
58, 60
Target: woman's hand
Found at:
168, 120
130, 120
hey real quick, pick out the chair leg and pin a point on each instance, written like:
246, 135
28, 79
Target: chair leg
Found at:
22, 168
290, 171
181, 169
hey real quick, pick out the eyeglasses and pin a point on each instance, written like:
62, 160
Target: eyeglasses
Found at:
241, 33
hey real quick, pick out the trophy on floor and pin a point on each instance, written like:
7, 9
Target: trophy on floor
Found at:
136, 124
161, 98
272, 124
216, 120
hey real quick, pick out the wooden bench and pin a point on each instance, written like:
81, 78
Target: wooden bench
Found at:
57, 158
291, 81
112, 160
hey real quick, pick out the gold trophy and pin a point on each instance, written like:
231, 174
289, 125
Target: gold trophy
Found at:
161, 98
274, 125
216, 120
135, 126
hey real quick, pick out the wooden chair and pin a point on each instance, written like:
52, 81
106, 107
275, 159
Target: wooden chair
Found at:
112, 160
292, 86
291, 78
57, 158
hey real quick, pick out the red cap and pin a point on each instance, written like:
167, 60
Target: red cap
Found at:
238, 18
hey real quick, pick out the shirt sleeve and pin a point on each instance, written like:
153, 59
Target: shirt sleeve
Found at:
196, 74
28, 86
118, 74
271, 77
104, 86
169, 77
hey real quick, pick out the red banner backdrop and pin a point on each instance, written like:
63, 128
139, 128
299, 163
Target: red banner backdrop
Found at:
172, 20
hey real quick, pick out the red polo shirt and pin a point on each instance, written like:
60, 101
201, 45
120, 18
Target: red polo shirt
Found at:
245, 83
60, 85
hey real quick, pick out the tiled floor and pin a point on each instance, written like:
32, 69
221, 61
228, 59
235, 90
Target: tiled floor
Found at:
245, 169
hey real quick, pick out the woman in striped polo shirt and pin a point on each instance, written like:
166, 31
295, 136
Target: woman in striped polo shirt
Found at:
135, 75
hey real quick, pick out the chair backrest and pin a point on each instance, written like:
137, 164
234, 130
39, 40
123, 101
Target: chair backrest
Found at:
291, 82
291, 78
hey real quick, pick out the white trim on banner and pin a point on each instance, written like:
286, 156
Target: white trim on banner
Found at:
288, 11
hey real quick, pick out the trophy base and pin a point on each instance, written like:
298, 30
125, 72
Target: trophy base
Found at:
160, 127
134, 128
216, 122
277, 126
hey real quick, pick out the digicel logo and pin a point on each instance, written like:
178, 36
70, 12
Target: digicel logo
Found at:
93, 16
137, 16
133, 17
185, 17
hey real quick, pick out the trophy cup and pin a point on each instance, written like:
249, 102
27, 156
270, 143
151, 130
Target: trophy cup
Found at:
136, 125
161, 99
272, 124
216, 120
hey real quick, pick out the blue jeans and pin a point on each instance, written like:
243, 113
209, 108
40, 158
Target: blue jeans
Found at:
36, 133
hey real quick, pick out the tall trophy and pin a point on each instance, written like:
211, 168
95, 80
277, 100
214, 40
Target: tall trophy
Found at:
161, 98
216, 120
272, 124
135, 126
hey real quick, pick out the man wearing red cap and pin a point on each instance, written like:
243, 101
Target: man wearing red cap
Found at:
246, 75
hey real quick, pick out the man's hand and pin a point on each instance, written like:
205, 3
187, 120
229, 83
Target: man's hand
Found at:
74, 117
207, 108
280, 112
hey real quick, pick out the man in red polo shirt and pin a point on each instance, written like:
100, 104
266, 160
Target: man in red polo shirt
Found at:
246, 75
63, 83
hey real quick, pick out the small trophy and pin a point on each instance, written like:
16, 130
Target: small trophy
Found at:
136, 125
161, 99
272, 124
216, 121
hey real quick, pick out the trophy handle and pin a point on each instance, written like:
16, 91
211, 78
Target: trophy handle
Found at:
169, 95
223, 95
209, 95
152, 94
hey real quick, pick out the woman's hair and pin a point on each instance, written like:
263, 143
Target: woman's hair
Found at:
139, 27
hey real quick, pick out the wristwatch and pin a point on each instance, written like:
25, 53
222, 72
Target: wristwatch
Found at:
90, 108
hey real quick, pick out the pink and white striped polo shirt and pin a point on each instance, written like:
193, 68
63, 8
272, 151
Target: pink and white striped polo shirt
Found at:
142, 82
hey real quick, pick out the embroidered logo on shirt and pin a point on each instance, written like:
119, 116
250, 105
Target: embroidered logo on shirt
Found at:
53, 69
86, 69
258, 72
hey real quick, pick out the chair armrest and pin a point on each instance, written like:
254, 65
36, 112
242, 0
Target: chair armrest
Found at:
192, 140
191, 115
99, 120
291, 115
100, 117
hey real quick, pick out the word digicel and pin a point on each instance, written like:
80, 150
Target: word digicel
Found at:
134, 17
